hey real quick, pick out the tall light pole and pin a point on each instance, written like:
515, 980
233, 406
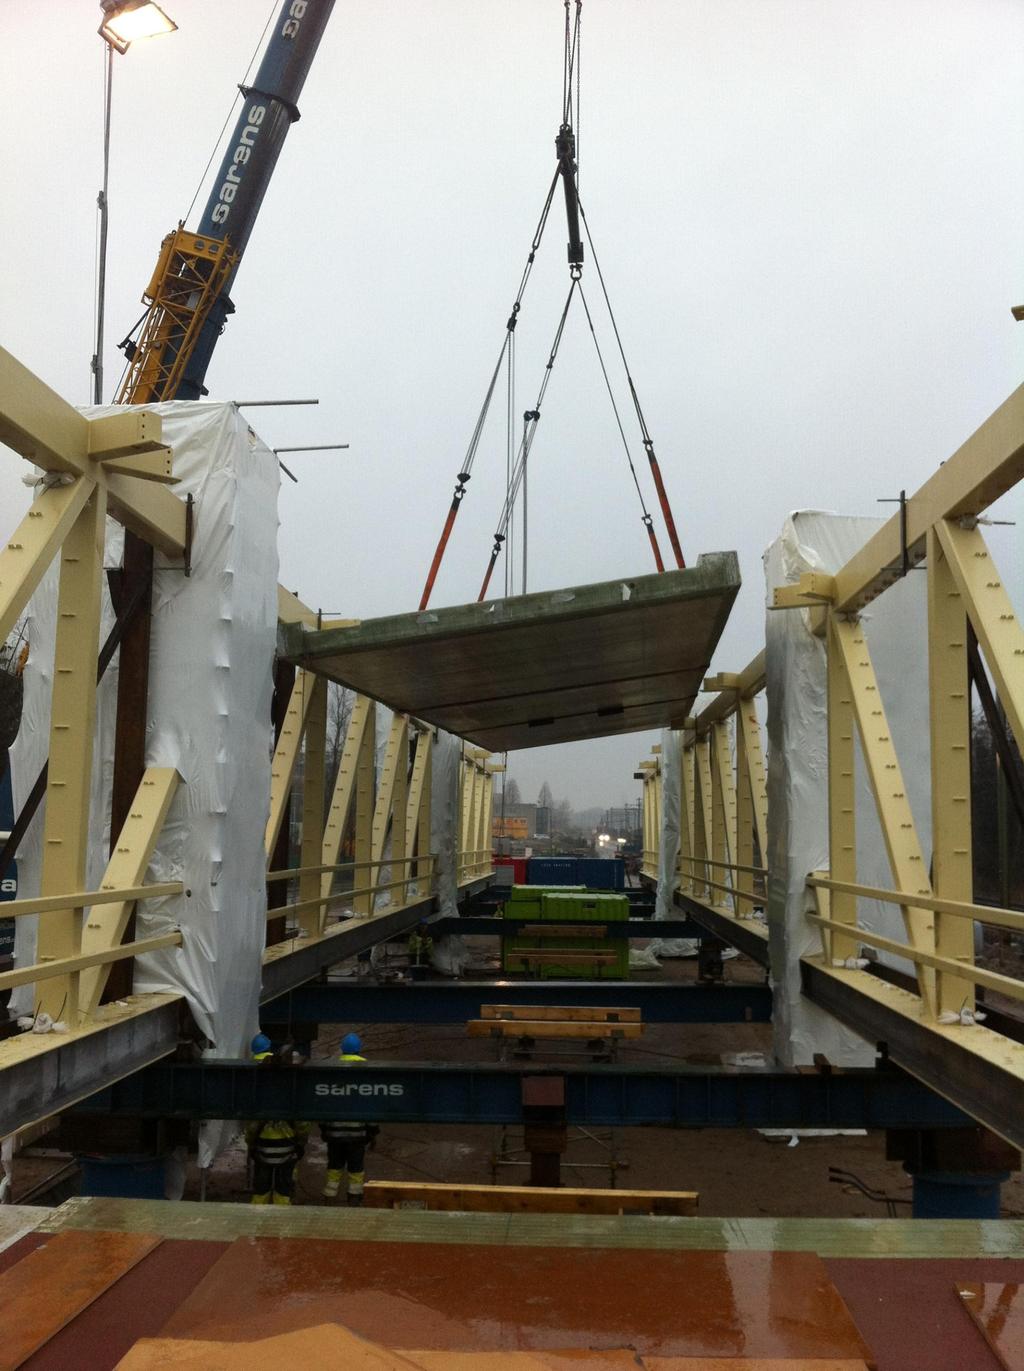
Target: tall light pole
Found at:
124, 21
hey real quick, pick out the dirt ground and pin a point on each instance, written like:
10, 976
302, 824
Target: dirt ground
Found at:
738, 1173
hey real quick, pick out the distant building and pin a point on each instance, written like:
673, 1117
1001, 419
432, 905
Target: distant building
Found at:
521, 822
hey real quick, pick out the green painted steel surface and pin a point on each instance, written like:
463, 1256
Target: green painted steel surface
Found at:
909, 1238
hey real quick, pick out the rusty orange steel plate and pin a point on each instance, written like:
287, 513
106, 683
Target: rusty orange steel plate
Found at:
49, 1287
998, 1310
434, 1297
328, 1345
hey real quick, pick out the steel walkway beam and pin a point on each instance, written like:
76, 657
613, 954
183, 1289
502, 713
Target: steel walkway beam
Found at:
341, 1002
746, 935
43, 1075
289, 964
472, 1094
981, 1070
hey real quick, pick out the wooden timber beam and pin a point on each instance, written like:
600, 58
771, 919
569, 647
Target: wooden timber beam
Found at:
527, 1199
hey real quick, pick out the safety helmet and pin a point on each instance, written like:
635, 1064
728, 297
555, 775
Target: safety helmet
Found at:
260, 1044
351, 1043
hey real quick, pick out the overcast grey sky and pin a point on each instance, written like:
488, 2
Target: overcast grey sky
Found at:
809, 214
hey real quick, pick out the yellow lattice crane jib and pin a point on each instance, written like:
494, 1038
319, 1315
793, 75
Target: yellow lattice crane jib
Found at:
190, 273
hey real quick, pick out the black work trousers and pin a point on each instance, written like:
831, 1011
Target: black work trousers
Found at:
280, 1178
346, 1154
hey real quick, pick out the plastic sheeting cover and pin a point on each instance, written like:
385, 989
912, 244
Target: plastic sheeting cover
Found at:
211, 675
896, 627
450, 953
668, 851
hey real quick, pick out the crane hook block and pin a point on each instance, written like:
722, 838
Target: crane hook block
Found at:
565, 147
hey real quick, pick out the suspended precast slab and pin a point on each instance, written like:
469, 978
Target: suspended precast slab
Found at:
553, 667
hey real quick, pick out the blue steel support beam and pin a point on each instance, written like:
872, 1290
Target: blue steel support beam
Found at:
340, 1002
402, 1092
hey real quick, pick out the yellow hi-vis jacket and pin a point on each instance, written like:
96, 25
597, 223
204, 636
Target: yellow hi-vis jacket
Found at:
350, 1130
276, 1141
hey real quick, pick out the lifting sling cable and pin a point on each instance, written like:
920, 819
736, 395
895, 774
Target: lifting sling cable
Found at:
510, 456
648, 442
570, 63
530, 419
648, 522
467, 466
567, 168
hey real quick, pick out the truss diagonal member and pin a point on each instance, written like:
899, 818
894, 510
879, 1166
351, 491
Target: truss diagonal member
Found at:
366, 767
909, 869
106, 924
750, 783
33, 546
396, 753
282, 768
344, 791
750, 728
311, 918
991, 613
723, 787
417, 819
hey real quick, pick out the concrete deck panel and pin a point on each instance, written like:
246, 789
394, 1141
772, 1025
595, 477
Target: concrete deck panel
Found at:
554, 667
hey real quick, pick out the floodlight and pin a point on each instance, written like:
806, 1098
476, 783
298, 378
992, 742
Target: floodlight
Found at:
124, 21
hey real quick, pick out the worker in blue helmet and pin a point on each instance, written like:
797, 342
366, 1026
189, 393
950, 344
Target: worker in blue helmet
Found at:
347, 1140
275, 1146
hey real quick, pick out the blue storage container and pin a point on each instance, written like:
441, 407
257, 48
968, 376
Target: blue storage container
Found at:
601, 873
552, 871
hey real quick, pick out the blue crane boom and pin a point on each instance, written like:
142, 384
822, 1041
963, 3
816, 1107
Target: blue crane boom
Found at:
188, 296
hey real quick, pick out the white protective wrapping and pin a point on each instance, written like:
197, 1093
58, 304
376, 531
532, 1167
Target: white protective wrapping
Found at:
449, 954
668, 851
211, 664
896, 627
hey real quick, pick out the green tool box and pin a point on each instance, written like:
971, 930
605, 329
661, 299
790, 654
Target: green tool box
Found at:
526, 901
564, 905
